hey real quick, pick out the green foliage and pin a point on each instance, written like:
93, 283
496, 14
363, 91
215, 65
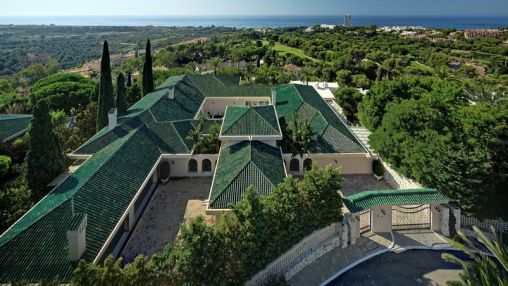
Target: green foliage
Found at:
348, 99
5, 165
483, 269
45, 158
344, 77
297, 136
15, 201
204, 144
121, 95
63, 91
245, 241
148, 84
106, 96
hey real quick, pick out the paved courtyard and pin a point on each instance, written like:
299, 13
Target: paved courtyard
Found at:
159, 224
353, 184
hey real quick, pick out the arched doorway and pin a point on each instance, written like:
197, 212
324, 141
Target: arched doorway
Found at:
193, 166
294, 165
207, 166
164, 172
307, 164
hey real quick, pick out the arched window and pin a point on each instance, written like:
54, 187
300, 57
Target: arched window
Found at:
164, 172
294, 165
207, 165
193, 166
307, 164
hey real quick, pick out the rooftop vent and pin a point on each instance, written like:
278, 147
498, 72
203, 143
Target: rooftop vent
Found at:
76, 236
112, 118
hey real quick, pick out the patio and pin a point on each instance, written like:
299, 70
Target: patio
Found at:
160, 222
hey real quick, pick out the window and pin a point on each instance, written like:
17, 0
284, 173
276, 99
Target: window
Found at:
294, 165
207, 165
307, 164
193, 166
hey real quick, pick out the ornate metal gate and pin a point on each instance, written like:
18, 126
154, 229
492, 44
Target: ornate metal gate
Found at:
365, 221
411, 217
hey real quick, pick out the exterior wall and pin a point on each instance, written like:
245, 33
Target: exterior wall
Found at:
179, 165
216, 105
381, 222
226, 142
349, 163
398, 181
435, 217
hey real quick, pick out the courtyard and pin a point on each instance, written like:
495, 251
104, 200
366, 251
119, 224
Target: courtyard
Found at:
160, 222
353, 184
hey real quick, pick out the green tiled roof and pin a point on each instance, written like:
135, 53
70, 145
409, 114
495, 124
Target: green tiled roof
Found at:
245, 120
211, 86
242, 165
370, 199
332, 136
12, 124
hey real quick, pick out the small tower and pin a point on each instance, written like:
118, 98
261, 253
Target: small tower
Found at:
347, 20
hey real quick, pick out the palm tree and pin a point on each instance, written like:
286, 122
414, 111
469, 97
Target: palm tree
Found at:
483, 92
307, 74
215, 62
483, 269
249, 69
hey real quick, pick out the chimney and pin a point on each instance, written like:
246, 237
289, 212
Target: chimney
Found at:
112, 118
273, 97
76, 236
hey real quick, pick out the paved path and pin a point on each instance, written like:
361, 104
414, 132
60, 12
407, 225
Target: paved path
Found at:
163, 215
369, 245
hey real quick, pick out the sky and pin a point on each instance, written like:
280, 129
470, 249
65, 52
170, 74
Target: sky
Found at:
253, 7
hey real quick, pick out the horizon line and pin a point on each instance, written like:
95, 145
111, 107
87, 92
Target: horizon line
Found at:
252, 15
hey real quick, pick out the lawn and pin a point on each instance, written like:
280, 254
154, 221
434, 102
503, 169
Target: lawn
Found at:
283, 49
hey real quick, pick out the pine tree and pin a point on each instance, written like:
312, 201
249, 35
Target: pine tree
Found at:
121, 94
106, 96
129, 79
147, 71
45, 158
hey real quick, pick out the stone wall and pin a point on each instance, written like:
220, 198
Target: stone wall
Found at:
398, 181
305, 252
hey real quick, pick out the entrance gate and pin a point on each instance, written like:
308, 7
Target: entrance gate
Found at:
365, 221
411, 217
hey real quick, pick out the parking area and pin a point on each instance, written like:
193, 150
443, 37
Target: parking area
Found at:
160, 222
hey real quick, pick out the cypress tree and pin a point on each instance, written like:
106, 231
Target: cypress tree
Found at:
129, 79
106, 95
45, 158
147, 71
121, 94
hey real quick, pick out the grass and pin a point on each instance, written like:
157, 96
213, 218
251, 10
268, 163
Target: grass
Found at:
283, 49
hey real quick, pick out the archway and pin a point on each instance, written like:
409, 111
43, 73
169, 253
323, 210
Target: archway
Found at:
164, 172
307, 164
294, 165
207, 166
193, 166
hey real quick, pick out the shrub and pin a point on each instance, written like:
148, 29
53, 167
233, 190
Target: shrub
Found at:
377, 168
5, 165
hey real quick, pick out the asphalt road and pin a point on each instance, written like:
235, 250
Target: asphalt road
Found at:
413, 267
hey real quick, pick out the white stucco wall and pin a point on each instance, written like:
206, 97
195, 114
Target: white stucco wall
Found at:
214, 105
381, 222
179, 164
349, 163
435, 217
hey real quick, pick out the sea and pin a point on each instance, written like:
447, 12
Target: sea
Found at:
457, 22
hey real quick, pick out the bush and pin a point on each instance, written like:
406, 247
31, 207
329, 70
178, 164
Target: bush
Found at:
5, 165
377, 168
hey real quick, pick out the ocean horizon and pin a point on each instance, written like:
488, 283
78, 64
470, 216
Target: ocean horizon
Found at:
273, 21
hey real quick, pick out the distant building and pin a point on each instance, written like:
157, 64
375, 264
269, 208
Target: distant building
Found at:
347, 21
482, 33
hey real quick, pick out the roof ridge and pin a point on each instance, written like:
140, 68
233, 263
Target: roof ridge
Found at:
239, 117
264, 119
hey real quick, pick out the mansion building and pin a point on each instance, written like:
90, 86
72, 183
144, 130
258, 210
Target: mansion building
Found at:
90, 214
